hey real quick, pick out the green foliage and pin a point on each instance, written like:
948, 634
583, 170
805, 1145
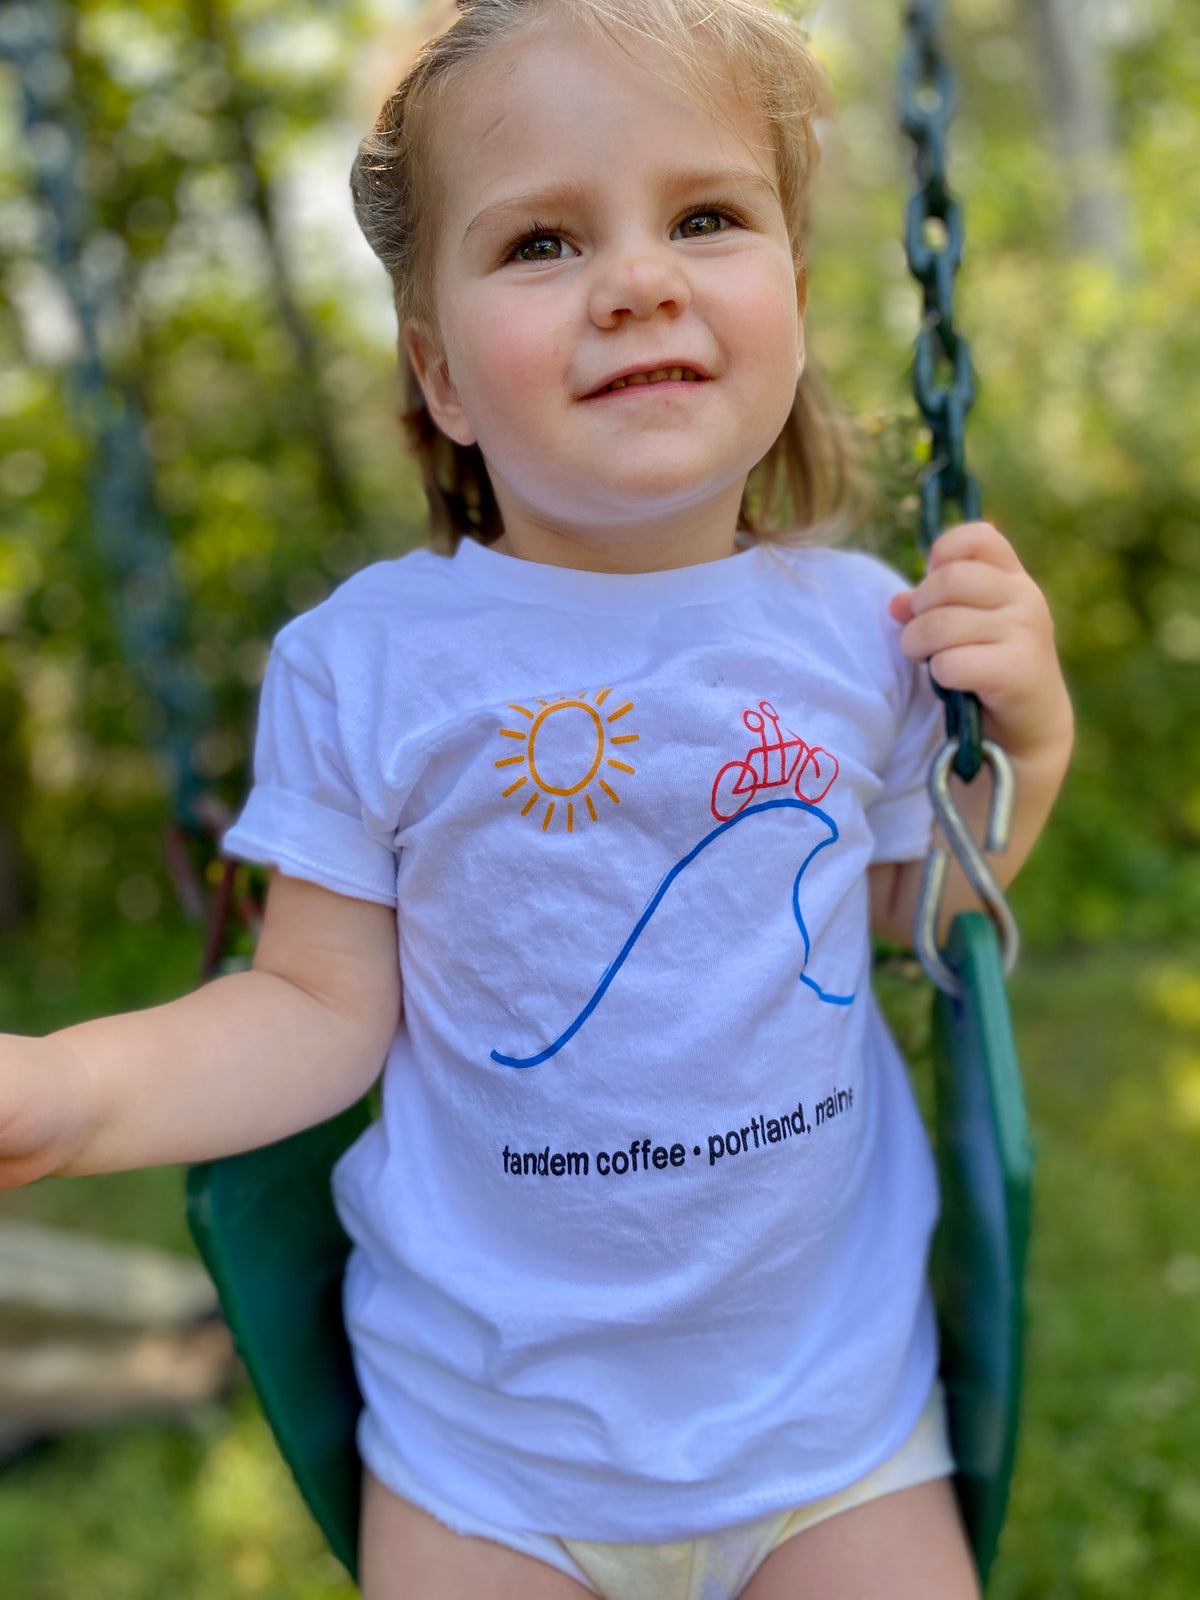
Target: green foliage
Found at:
1107, 1497
263, 390
269, 430
206, 1512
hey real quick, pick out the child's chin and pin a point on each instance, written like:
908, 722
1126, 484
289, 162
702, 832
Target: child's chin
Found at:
661, 488
631, 492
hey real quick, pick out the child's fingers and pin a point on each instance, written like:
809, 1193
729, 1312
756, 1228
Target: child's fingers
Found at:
967, 582
981, 669
971, 565
948, 627
977, 541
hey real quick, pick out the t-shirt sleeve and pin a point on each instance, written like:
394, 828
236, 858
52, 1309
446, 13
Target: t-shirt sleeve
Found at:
901, 820
304, 815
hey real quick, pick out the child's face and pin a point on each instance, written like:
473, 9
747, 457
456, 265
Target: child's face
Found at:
596, 223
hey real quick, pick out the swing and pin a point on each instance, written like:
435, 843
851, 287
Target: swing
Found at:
264, 1221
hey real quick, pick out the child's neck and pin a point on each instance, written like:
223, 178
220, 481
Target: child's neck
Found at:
706, 533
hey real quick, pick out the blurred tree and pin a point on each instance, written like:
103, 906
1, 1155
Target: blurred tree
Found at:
1077, 101
179, 471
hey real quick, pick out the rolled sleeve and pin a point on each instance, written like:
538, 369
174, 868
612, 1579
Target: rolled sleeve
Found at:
304, 815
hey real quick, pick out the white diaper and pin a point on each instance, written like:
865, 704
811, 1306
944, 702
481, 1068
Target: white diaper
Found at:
720, 1565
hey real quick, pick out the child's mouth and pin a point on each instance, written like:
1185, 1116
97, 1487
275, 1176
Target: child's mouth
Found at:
658, 375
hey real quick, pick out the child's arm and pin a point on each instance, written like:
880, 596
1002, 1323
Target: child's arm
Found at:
982, 623
242, 1061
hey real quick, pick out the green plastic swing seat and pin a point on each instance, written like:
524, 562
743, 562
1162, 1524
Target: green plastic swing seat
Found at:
265, 1225
985, 1164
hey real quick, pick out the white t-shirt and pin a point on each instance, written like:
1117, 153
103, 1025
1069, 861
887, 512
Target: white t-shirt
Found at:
641, 1236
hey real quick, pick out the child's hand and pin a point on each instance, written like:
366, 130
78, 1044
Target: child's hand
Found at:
45, 1108
982, 623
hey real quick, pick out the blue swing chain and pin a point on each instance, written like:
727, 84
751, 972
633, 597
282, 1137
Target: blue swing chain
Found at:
127, 527
944, 387
131, 536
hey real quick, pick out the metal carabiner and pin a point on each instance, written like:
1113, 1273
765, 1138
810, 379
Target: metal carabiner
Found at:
970, 858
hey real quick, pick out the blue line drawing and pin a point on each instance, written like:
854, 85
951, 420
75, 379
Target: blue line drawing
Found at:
656, 900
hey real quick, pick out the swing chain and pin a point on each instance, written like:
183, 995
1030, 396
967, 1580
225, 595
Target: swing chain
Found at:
943, 378
130, 534
944, 387
128, 529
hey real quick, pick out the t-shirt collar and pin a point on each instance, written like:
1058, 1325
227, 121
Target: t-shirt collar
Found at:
535, 582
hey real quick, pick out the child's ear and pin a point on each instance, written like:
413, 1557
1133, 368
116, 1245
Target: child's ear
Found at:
432, 372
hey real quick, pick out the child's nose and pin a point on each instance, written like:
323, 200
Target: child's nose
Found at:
638, 284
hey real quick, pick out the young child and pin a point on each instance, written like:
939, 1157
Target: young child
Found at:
617, 777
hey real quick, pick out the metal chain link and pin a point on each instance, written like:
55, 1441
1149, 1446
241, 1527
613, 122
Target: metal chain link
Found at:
943, 379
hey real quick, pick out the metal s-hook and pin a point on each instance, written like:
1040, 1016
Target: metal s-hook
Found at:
970, 858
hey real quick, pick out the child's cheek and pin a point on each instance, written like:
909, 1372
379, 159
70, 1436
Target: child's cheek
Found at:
517, 362
772, 341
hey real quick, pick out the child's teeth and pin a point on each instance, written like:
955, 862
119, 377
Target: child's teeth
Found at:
659, 375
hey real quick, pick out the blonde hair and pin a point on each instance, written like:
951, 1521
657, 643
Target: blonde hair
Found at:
801, 480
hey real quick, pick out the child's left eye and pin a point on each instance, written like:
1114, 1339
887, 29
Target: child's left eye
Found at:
699, 224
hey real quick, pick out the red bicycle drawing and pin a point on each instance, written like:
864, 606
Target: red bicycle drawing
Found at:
773, 763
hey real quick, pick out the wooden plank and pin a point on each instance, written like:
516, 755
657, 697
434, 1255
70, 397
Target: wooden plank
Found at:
50, 1277
58, 1385
94, 1332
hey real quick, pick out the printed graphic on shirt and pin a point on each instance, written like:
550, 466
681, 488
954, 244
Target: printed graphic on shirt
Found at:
792, 1126
782, 762
797, 763
568, 744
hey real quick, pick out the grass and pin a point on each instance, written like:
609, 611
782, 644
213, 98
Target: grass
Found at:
1107, 1497
1106, 1503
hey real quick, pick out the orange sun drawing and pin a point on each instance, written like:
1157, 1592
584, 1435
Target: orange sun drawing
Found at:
567, 742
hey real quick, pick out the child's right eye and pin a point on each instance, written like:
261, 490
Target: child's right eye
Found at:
540, 246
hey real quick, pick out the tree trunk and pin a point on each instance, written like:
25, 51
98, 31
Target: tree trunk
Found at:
1078, 103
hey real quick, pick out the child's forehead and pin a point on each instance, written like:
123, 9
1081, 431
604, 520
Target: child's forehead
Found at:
698, 71
555, 88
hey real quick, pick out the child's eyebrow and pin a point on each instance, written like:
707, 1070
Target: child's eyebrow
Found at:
563, 196
555, 197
